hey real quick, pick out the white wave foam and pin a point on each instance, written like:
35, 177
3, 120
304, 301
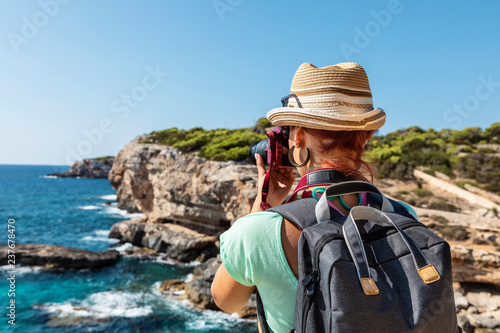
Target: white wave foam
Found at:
100, 239
110, 197
114, 210
124, 247
212, 320
48, 177
104, 233
189, 278
101, 236
164, 260
199, 319
21, 269
104, 304
90, 207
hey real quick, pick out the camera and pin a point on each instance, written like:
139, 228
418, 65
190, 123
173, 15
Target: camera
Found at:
274, 149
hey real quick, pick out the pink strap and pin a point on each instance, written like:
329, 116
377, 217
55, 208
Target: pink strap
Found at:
303, 185
265, 191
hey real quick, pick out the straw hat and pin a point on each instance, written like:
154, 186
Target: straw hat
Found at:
336, 98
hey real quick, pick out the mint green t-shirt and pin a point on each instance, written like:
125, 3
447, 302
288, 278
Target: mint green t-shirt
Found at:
252, 254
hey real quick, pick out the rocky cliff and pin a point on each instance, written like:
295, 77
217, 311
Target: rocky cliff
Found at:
169, 186
89, 168
187, 201
177, 242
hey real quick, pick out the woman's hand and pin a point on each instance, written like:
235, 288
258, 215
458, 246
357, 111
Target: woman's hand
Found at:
280, 183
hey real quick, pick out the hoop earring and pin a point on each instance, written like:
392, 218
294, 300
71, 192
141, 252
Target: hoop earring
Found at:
292, 160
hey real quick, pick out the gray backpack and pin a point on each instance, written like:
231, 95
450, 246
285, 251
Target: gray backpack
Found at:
378, 270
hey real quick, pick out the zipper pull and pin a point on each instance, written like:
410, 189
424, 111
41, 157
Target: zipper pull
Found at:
308, 279
310, 282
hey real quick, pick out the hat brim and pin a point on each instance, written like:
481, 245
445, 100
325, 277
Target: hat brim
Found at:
328, 119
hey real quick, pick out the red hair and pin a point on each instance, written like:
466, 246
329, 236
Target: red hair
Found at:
352, 143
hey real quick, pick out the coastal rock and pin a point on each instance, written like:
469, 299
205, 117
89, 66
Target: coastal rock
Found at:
475, 265
90, 168
54, 256
198, 289
172, 285
170, 186
198, 292
461, 301
482, 311
177, 242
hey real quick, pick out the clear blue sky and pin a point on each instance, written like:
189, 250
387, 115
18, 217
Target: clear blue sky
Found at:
67, 67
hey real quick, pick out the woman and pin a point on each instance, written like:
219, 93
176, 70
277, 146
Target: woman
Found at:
331, 118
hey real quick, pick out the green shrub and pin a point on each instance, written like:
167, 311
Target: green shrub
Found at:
233, 146
220, 144
480, 241
430, 171
261, 126
466, 149
444, 205
398, 153
422, 192
439, 218
469, 135
104, 159
454, 232
495, 211
492, 133
400, 195
486, 150
449, 232
461, 183
447, 170
482, 168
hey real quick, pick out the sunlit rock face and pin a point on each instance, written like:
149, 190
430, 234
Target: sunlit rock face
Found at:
170, 186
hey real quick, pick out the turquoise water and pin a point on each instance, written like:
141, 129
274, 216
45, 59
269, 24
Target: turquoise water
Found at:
121, 298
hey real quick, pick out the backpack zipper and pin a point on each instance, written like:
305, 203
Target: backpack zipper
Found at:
312, 279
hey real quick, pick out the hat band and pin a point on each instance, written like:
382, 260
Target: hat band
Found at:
332, 88
325, 98
335, 106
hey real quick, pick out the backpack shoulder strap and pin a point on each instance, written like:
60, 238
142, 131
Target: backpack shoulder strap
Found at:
301, 212
374, 200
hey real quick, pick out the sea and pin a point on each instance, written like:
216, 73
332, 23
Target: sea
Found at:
124, 297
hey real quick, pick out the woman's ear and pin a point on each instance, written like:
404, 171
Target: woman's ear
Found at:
299, 136
369, 134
